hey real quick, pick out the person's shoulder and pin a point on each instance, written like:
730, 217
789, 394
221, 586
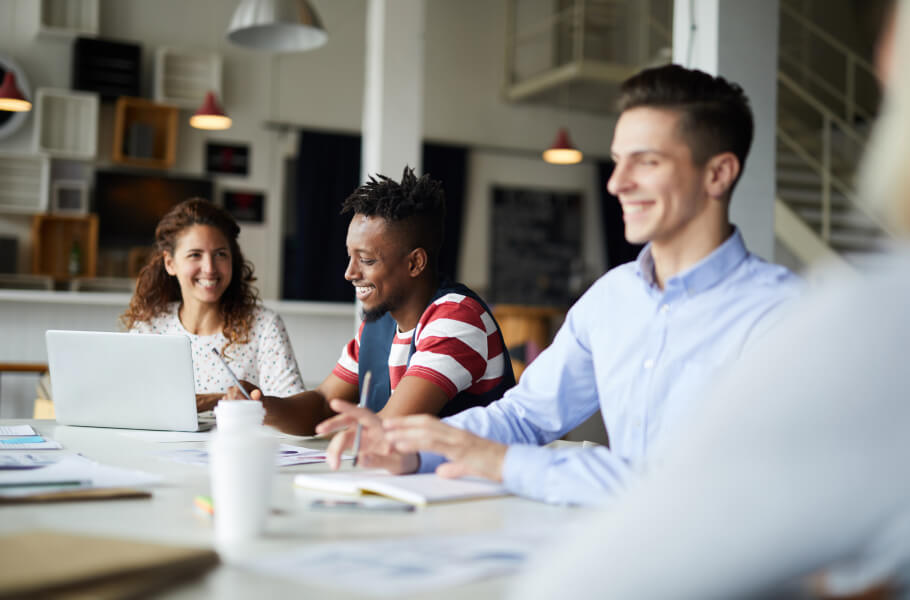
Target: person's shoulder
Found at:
881, 287
619, 277
263, 313
264, 320
755, 272
456, 305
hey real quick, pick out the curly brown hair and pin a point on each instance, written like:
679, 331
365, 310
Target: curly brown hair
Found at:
155, 288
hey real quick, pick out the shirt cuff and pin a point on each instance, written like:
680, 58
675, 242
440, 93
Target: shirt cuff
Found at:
524, 469
429, 461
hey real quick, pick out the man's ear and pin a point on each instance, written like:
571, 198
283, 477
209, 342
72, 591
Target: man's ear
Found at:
720, 174
417, 261
169, 263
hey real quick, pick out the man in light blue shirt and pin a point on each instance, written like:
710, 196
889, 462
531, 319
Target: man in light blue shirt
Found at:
646, 339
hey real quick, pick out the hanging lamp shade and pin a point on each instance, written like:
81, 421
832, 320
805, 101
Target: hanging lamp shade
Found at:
11, 97
562, 152
210, 115
277, 26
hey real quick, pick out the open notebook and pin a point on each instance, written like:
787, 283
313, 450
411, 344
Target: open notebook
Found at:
421, 489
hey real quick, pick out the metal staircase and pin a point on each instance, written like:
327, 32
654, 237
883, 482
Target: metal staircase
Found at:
823, 118
574, 54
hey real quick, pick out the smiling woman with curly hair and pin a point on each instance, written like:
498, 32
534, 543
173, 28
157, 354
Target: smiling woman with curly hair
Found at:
197, 283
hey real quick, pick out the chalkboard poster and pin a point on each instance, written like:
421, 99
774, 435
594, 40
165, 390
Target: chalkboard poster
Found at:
535, 246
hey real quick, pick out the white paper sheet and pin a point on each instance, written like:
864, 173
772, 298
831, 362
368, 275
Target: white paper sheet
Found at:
75, 468
26, 460
17, 430
405, 566
287, 455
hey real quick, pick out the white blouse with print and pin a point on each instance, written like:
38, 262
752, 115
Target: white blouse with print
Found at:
267, 360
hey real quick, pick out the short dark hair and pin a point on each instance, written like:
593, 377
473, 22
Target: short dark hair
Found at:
415, 207
715, 113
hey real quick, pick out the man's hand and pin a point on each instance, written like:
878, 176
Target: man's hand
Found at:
374, 452
467, 453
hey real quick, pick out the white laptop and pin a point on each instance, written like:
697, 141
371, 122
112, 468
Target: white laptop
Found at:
128, 380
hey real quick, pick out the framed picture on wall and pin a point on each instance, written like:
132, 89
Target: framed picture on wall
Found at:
535, 246
245, 206
69, 196
227, 159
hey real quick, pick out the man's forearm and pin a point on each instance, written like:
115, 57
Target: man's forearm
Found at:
297, 415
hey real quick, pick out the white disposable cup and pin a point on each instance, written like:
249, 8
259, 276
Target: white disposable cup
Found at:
236, 415
242, 467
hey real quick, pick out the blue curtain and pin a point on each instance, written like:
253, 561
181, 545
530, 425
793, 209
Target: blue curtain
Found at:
327, 170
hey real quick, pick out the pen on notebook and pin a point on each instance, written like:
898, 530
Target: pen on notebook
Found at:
231, 373
364, 394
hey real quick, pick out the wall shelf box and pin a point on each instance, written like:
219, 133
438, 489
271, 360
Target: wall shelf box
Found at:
145, 133
54, 239
68, 18
66, 123
108, 67
24, 183
183, 76
69, 196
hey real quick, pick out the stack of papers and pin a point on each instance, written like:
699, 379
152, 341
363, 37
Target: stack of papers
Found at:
24, 437
72, 472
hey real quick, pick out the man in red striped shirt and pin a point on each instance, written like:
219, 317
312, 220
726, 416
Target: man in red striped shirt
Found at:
431, 345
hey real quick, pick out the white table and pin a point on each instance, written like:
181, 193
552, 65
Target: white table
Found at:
170, 517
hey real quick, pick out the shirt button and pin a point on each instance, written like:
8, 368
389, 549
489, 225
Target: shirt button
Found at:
649, 363
665, 308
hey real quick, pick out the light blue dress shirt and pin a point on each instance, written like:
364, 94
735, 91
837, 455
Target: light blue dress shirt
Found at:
641, 355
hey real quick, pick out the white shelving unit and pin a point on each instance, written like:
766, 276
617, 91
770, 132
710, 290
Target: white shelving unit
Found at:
183, 76
66, 123
23, 183
68, 18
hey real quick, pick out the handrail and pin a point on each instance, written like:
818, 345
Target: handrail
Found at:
827, 37
825, 85
832, 181
821, 108
852, 61
797, 148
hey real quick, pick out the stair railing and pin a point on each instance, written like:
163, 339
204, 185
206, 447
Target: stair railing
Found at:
824, 167
853, 65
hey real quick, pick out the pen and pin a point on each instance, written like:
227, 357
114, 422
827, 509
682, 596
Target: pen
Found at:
231, 373
364, 394
22, 484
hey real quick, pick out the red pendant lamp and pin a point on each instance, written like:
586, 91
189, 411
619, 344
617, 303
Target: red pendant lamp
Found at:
11, 97
562, 152
210, 115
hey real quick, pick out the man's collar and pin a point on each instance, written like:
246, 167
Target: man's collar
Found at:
704, 274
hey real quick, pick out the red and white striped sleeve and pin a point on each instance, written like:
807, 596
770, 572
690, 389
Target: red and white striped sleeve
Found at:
346, 367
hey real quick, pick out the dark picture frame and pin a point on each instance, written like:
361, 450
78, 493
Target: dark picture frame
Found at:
227, 159
247, 206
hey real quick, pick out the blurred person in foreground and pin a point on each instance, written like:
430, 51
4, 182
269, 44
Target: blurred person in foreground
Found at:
798, 466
